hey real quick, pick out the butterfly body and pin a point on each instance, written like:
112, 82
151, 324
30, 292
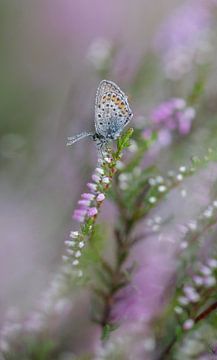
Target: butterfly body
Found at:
112, 114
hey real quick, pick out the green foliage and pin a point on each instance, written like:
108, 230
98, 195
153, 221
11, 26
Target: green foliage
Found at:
32, 349
123, 142
107, 331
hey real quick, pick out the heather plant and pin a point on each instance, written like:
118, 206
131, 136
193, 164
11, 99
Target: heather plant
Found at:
138, 276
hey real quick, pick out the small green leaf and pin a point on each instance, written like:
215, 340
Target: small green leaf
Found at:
123, 141
106, 331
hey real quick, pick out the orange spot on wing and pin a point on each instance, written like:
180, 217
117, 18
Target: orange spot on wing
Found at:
122, 105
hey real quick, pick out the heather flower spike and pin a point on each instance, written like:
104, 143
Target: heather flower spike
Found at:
90, 203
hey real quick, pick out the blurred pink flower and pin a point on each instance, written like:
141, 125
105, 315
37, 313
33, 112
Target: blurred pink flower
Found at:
172, 115
185, 38
92, 212
188, 324
143, 298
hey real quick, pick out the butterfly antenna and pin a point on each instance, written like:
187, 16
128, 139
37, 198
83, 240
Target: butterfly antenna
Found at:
74, 139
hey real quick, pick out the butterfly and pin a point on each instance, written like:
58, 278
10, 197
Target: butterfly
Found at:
112, 114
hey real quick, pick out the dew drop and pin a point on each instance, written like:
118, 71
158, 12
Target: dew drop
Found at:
162, 188
152, 199
182, 169
192, 225
159, 179
75, 262
152, 181
183, 193
179, 177
208, 213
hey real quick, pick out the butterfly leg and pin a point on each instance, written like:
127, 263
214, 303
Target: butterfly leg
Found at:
100, 144
73, 139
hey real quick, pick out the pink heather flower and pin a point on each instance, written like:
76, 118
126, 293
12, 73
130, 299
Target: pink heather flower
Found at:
173, 115
70, 251
79, 214
188, 290
74, 234
179, 103
183, 300
100, 197
80, 211
99, 170
78, 217
106, 180
87, 196
193, 297
96, 178
91, 186
184, 125
188, 324
209, 281
84, 203
212, 263
164, 137
142, 298
92, 212
198, 280
205, 270
162, 112
69, 243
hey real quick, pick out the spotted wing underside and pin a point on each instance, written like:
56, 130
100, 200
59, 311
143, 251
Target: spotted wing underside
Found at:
112, 111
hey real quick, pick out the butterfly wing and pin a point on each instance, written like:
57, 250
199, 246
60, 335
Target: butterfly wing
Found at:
112, 111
